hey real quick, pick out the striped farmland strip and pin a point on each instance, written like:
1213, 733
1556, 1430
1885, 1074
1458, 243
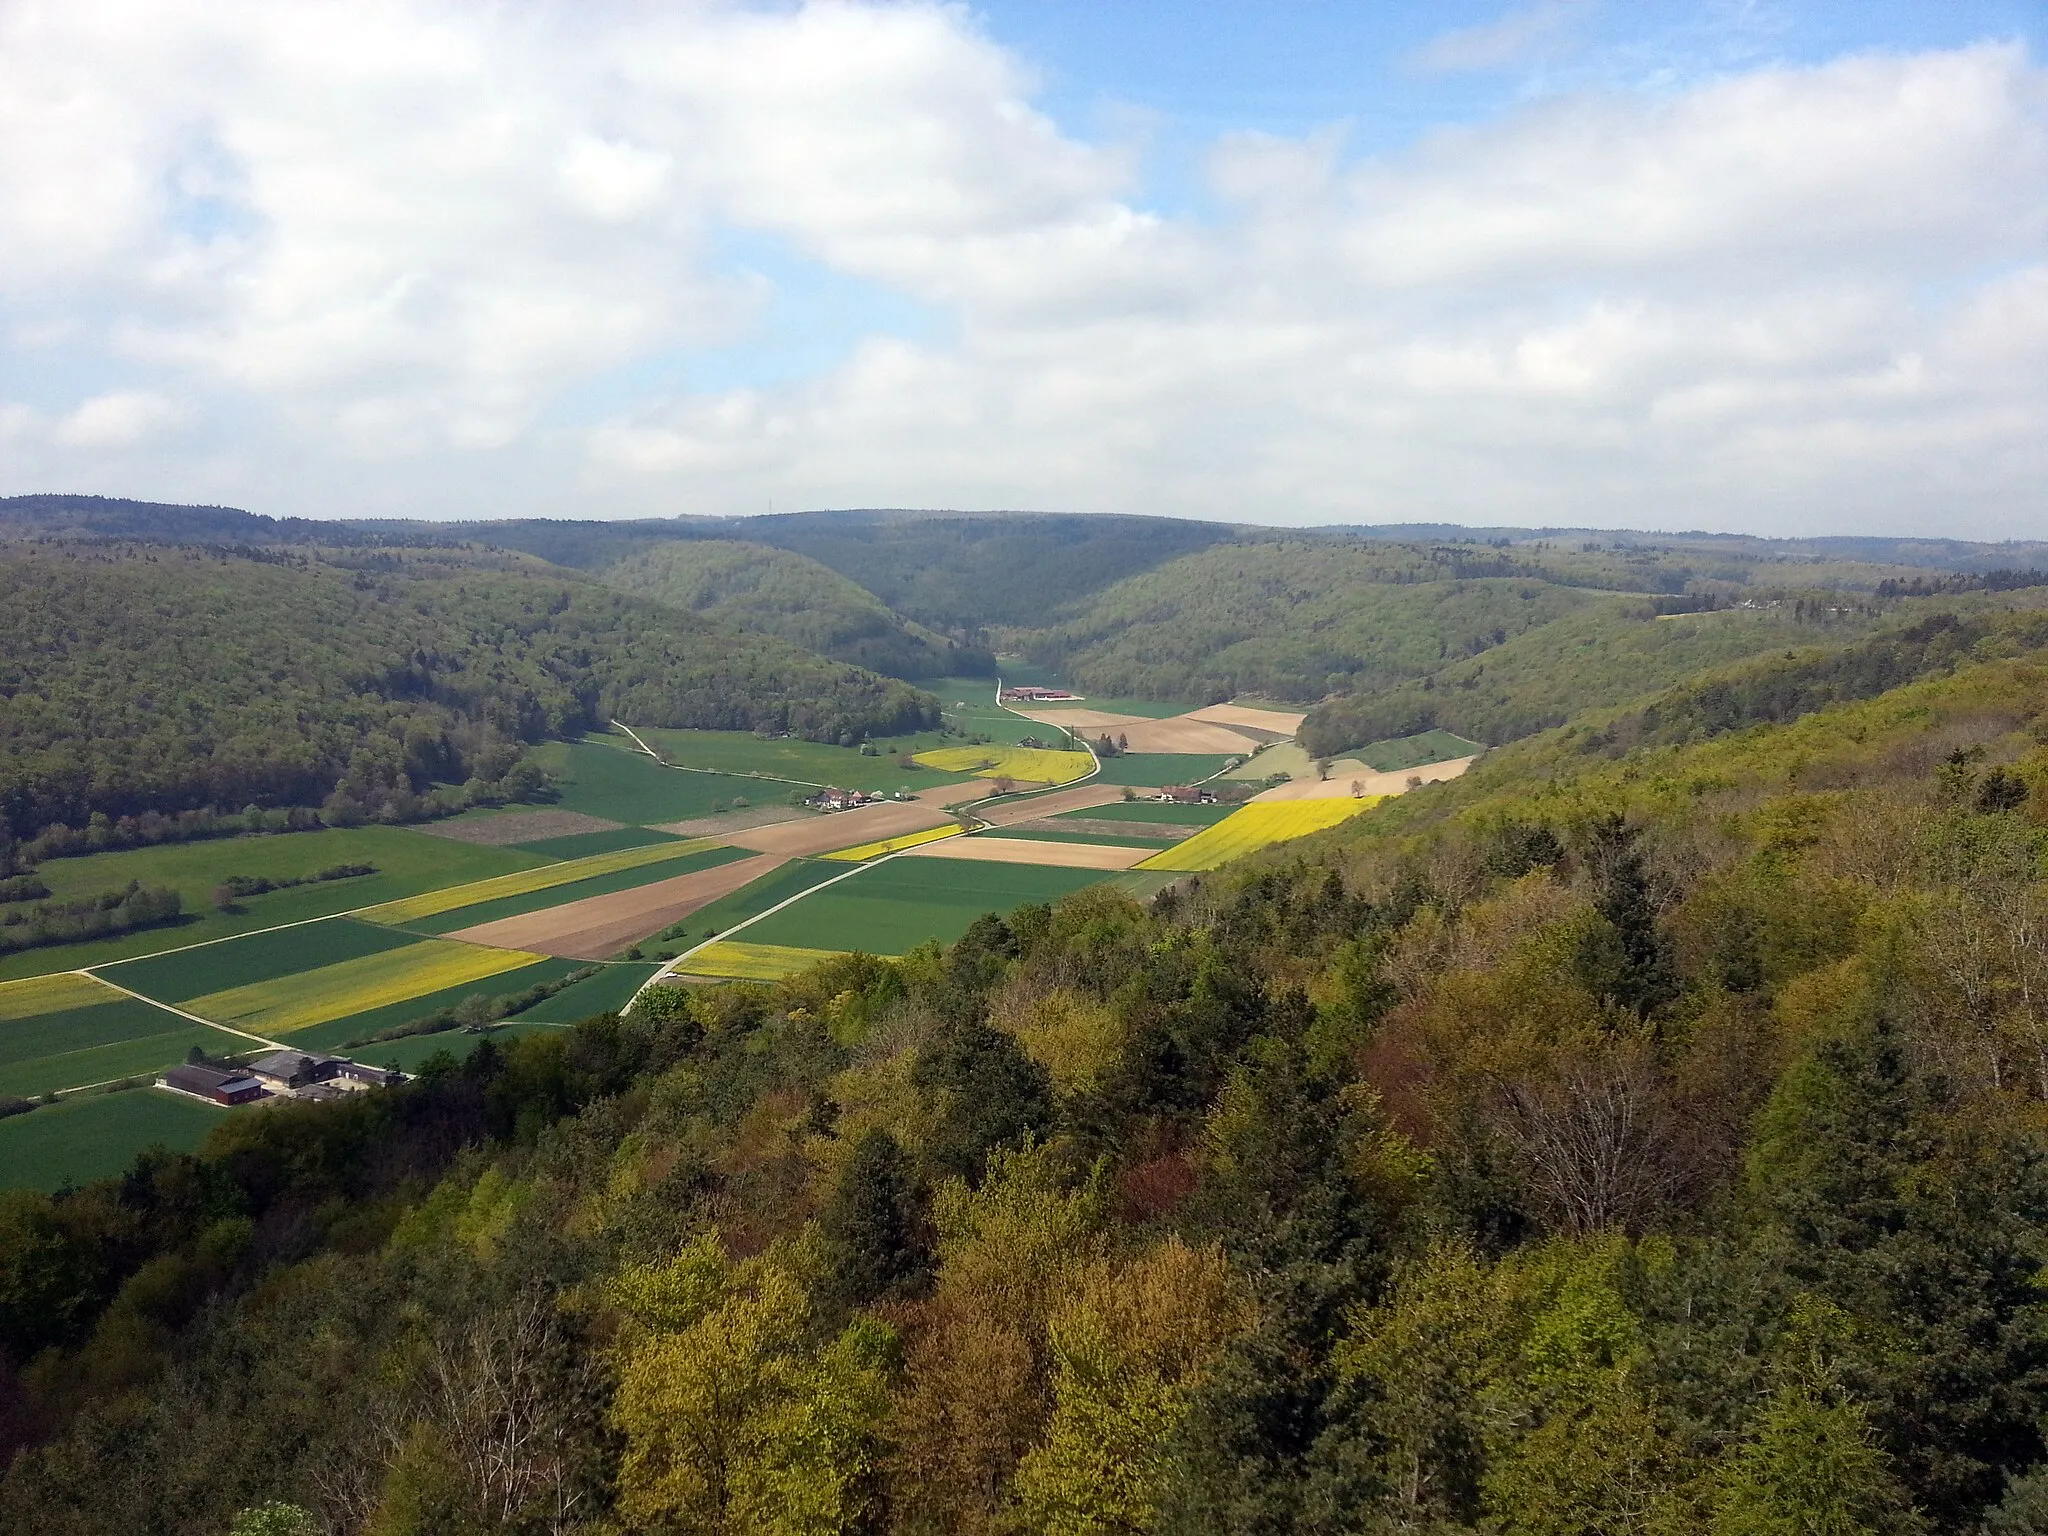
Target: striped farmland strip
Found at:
356, 986
522, 882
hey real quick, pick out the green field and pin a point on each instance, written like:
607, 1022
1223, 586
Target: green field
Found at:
82, 1046
95, 1136
190, 973
581, 845
1288, 757
1143, 709
621, 783
792, 762
1156, 770
792, 879
558, 895
893, 907
1154, 811
607, 992
394, 978
1415, 751
330, 1035
407, 863
971, 707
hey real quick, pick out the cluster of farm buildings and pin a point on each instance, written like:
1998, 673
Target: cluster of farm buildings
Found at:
281, 1074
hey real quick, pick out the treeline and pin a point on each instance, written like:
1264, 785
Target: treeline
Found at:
180, 680
240, 887
134, 905
1649, 1146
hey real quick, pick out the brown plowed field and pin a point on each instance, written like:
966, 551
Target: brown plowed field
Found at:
1338, 785
1019, 850
1184, 734
1007, 813
1281, 722
600, 926
840, 829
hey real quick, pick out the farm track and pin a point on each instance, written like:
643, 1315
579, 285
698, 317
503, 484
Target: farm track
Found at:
600, 926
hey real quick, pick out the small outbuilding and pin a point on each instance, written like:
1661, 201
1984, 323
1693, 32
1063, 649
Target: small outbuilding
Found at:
223, 1087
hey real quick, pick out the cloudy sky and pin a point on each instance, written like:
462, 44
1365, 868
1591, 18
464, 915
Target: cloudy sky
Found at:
1766, 265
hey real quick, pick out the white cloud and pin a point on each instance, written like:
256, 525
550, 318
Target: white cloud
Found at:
384, 237
1513, 38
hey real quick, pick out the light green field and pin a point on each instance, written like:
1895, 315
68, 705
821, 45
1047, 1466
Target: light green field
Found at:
607, 992
1101, 839
581, 845
336, 1033
407, 862
528, 881
1151, 810
738, 960
778, 885
693, 858
1282, 757
1144, 709
96, 1136
792, 763
394, 978
254, 957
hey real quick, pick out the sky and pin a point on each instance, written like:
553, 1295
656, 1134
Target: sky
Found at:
1768, 266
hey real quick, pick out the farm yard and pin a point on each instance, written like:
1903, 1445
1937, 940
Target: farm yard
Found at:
704, 862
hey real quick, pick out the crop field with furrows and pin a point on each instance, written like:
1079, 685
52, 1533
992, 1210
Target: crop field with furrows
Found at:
283, 952
738, 960
1253, 827
95, 1136
891, 908
792, 879
336, 1033
288, 1003
1156, 770
407, 861
652, 872
875, 850
606, 992
1036, 765
526, 881
1107, 833
69, 1031
1157, 812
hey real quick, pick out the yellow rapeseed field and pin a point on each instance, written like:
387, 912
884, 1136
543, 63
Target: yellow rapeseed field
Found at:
735, 960
1257, 826
1036, 765
893, 844
355, 986
52, 994
522, 882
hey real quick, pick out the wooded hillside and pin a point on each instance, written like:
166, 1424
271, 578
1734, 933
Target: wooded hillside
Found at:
1640, 1142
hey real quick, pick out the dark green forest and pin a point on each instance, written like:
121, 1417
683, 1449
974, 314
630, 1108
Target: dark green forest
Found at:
142, 679
1647, 1132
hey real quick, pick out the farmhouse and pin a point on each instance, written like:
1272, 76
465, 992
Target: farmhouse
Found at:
1035, 695
1188, 794
223, 1087
842, 799
309, 1076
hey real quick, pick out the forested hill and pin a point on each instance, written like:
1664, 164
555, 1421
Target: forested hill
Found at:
1652, 1143
778, 592
138, 678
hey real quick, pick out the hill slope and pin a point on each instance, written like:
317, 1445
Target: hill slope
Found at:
166, 679
777, 592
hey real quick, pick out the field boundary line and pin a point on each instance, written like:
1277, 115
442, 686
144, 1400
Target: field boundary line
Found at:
723, 773
228, 1029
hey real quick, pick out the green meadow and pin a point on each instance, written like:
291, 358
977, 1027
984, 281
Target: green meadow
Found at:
1156, 770
95, 1136
609, 777
190, 973
796, 764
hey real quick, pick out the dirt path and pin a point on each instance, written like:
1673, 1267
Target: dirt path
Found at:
1022, 850
598, 927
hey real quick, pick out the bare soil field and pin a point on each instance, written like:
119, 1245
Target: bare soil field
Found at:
1280, 722
518, 827
840, 829
735, 821
1007, 813
1018, 850
1183, 733
1338, 785
600, 926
